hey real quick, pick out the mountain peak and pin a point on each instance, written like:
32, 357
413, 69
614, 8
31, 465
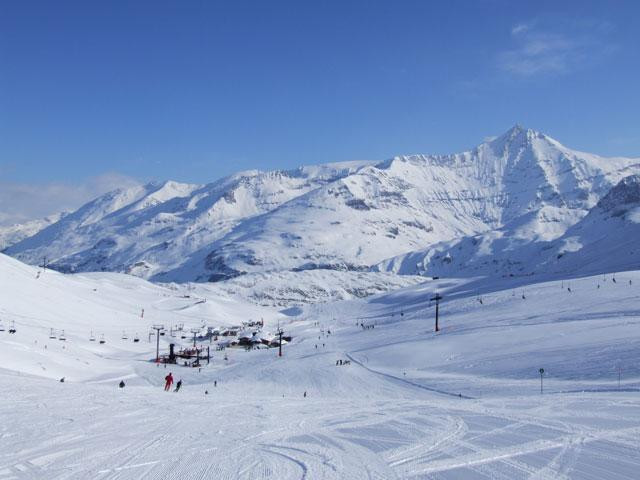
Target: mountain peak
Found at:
518, 137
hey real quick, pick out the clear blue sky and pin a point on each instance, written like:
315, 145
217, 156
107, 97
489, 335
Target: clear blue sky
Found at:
194, 90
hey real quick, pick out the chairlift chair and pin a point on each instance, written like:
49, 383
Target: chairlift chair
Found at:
102, 340
92, 337
13, 327
52, 334
62, 338
136, 339
124, 335
1, 327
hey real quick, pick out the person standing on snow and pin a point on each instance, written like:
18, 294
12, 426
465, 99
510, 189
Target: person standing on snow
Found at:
169, 381
178, 385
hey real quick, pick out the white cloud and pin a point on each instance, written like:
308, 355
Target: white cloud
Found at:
20, 202
520, 28
540, 48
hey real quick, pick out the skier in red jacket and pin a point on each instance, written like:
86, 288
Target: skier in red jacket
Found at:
169, 382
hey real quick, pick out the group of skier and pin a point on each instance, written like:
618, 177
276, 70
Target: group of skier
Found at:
169, 381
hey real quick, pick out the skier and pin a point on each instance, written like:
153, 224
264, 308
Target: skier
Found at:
305, 395
121, 384
178, 385
215, 383
169, 382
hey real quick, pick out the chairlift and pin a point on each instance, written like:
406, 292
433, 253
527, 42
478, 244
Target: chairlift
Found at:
92, 337
102, 340
136, 339
183, 336
124, 335
62, 338
52, 334
162, 333
13, 327
1, 327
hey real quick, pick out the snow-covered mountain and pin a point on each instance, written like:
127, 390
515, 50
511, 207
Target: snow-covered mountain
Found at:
605, 240
12, 234
521, 188
150, 229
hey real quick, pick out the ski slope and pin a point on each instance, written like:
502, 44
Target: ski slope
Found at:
461, 403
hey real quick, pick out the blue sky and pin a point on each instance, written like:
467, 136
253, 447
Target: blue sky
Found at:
94, 94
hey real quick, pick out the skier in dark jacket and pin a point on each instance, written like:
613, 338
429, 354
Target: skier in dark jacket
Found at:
169, 381
178, 385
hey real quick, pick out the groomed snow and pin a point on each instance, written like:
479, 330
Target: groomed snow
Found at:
462, 403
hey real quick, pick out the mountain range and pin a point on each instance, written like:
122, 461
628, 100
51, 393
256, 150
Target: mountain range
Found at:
519, 204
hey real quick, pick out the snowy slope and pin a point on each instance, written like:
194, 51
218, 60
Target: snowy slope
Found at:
36, 301
604, 241
12, 234
341, 217
290, 289
462, 403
